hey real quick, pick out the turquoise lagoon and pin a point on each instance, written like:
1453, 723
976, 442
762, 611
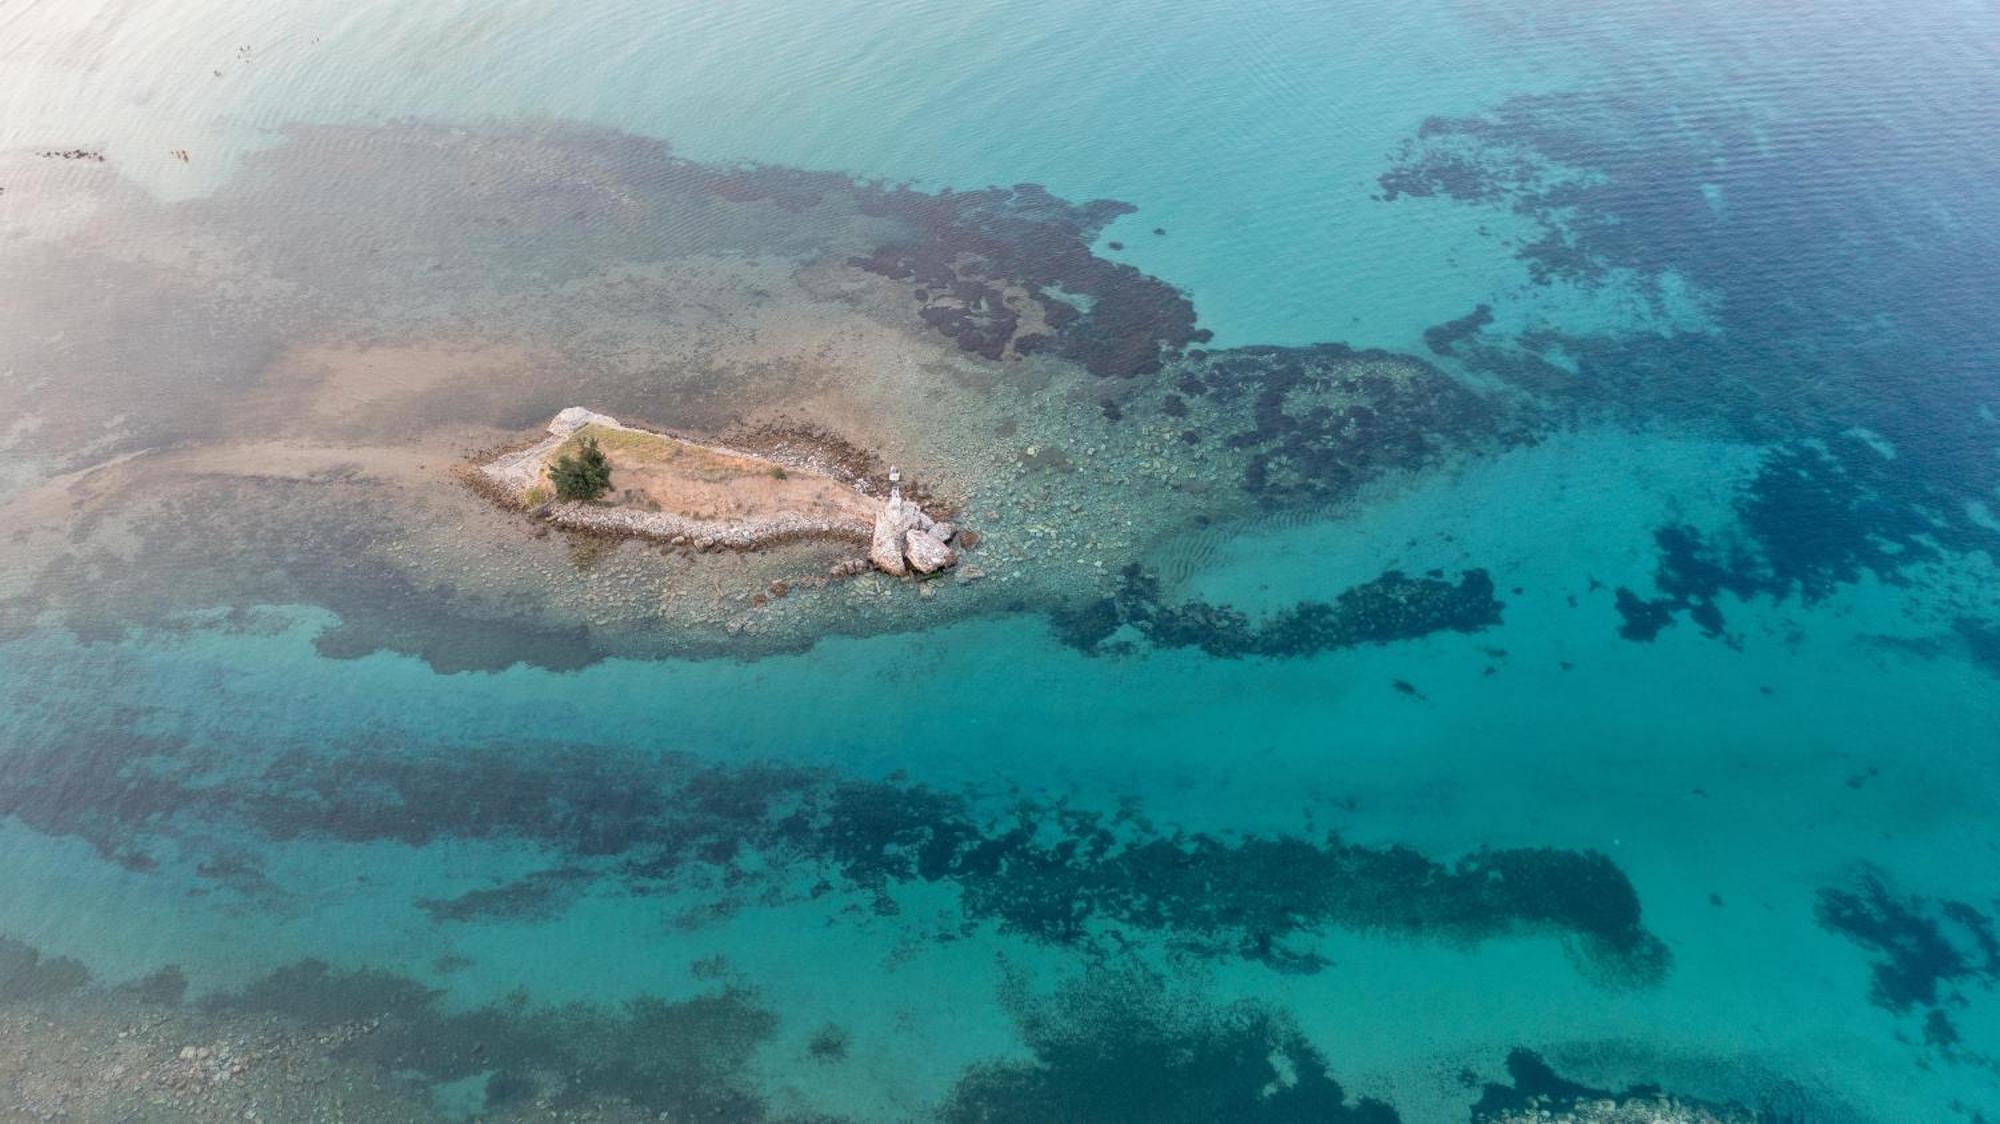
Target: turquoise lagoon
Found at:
1764, 228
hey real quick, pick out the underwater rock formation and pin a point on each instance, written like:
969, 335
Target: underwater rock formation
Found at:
1117, 1046
1818, 515
1925, 949
1537, 1095
1313, 423
25, 973
1050, 871
1619, 191
1392, 607
1007, 271
683, 1059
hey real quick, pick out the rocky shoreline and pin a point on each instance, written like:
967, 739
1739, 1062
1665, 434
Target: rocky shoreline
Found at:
674, 530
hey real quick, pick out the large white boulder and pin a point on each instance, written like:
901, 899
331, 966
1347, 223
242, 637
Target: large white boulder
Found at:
893, 524
927, 553
576, 417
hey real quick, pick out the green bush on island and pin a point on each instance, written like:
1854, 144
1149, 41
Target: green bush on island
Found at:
584, 476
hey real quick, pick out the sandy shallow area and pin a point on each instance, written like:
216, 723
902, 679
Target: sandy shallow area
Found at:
292, 408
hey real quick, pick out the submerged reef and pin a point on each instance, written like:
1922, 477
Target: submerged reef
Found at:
1926, 951
1535, 1094
1002, 271
1690, 579
1313, 423
27, 974
1443, 338
308, 1038
312, 1042
539, 896
1817, 515
1117, 1046
1112, 1042
1110, 1045
1765, 313
684, 1059
1755, 308
1389, 608
1048, 870
1982, 642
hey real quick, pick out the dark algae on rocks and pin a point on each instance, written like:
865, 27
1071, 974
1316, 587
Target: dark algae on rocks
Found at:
1387, 609
1119, 1046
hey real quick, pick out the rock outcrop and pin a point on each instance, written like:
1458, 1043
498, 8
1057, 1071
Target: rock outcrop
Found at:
576, 417
927, 554
905, 539
892, 528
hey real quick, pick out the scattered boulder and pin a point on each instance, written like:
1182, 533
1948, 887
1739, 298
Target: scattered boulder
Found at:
944, 531
927, 553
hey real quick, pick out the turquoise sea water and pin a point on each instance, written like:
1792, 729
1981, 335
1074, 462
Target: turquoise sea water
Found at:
1760, 235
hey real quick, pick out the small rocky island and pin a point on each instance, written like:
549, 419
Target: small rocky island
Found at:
684, 492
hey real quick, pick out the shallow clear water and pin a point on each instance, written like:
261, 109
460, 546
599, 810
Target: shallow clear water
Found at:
1739, 261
